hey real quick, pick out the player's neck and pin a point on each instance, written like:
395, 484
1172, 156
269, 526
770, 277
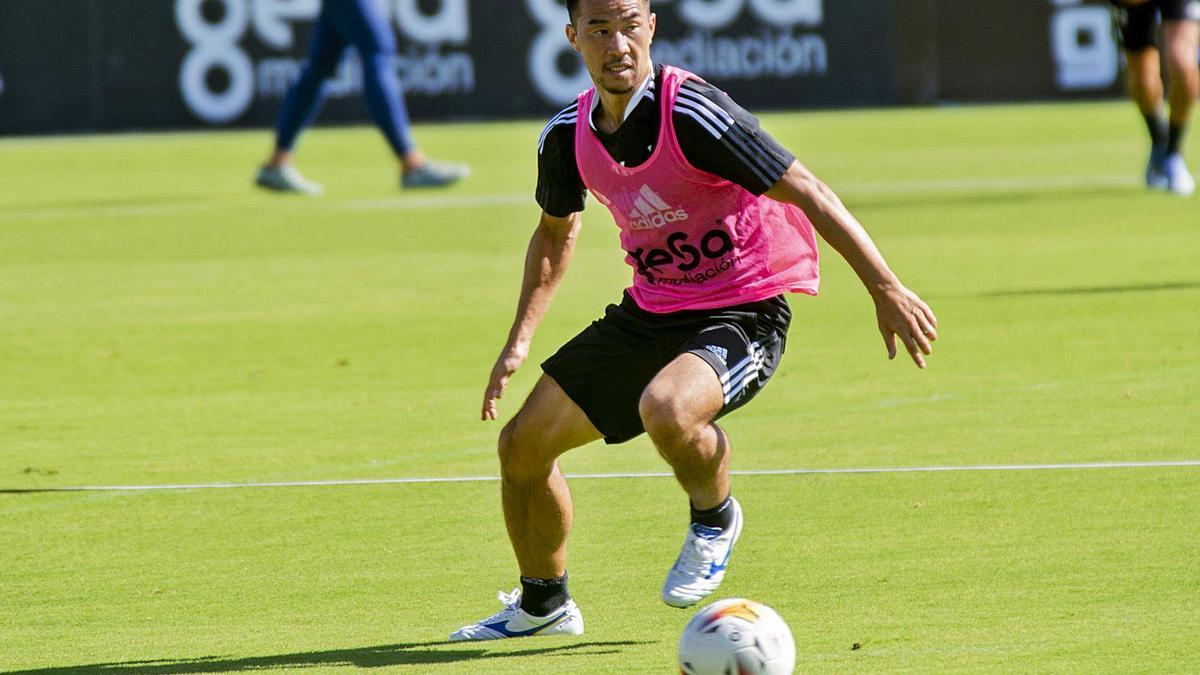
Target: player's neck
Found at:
614, 108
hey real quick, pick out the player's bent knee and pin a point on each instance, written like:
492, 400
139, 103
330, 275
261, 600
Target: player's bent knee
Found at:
664, 417
508, 447
519, 455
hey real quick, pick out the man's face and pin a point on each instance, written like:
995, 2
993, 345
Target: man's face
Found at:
613, 36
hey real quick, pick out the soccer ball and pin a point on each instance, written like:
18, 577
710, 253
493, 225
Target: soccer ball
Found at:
736, 637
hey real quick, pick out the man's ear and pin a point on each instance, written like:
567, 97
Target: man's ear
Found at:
571, 35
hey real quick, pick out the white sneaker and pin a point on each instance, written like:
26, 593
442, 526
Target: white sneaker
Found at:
700, 567
1179, 179
513, 622
286, 179
433, 174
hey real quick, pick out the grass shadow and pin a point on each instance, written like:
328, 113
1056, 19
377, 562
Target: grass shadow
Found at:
410, 653
1094, 290
116, 201
33, 491
900, 200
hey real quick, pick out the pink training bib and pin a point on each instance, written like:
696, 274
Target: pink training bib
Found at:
694, 240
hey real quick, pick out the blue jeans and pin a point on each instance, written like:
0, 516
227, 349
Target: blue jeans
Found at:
342, 23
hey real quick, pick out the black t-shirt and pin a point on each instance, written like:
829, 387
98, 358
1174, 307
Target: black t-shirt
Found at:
716, 135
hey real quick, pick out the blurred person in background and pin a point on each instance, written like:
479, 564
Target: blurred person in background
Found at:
1146, 48
362, 24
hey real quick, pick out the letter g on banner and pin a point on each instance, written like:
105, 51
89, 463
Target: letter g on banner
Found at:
273, 19
718, 14
547, 49
449, 24
214, 46
789, 12
711, 14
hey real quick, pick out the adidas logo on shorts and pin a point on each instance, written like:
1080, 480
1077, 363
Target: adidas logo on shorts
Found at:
721, 353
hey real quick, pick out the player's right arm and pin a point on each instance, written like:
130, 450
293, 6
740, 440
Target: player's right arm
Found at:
546, 261
561, 194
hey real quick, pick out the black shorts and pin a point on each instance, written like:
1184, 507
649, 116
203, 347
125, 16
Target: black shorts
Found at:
606, 367
1137, 25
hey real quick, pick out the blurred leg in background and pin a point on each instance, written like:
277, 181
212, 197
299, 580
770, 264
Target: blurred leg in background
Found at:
363, 24
1181, 50
1138, 24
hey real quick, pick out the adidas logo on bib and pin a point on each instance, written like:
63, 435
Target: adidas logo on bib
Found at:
648, 211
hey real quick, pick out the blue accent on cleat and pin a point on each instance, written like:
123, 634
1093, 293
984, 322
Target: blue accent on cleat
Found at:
717, 567
514, 622
502, 626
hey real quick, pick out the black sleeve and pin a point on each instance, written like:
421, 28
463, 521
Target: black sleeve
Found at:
720, 137
560, 189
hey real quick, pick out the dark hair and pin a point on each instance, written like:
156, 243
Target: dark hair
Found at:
573, 8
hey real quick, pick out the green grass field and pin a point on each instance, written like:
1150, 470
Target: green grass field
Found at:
161, 322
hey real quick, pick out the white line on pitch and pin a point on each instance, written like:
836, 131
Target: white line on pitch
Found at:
442, 202
408, 203
896, 187
584, 476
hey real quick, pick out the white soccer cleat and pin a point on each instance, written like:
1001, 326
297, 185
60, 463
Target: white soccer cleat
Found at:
513, 622
286, 179
1179, 179
700, 567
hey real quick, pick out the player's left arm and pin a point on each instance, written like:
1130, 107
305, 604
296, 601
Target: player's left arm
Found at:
722, 138
900, 312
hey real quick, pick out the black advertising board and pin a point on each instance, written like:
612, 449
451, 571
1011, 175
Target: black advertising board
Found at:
113, 64
81, 65
1026, 49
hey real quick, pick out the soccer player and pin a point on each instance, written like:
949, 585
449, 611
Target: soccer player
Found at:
1137, 21
363, 24
715, 221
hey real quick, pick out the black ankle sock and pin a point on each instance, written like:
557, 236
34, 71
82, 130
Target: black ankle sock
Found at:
1156, 124
540, 597
719, 516
1175, 139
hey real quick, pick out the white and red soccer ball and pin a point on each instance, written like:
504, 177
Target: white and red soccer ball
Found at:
738, 637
